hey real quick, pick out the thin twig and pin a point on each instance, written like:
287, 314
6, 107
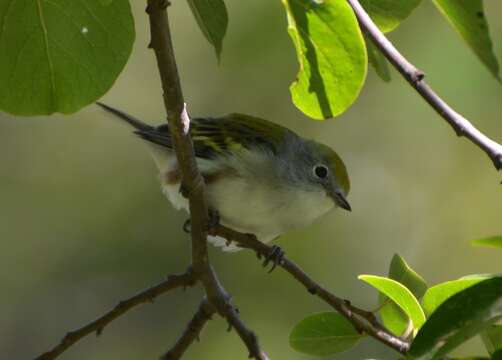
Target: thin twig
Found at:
146, 296
192, 184
363, 321
191, 333
416, 78
219, 298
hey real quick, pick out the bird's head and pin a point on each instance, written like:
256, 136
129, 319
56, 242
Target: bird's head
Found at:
329, 172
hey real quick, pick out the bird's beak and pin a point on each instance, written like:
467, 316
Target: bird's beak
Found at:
340, 200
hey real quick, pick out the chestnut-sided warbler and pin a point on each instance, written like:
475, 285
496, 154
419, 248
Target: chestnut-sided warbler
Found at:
260, 177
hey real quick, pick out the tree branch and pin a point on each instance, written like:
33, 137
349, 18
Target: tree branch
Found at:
179, 123
191, 333
192, 182
415, 77
147, 296
363, 321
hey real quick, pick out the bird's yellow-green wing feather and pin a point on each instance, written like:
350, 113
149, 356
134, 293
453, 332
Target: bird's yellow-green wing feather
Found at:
232, 133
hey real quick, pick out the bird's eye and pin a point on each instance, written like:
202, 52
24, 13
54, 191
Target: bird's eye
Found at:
321, 171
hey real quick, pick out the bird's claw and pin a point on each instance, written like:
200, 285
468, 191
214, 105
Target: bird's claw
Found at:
212, 224
184, 191
275, 257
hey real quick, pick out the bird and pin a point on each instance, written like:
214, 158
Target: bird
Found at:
261, 178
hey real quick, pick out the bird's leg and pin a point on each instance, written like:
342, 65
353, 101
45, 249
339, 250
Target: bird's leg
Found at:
213, 221
184, 190
275, 256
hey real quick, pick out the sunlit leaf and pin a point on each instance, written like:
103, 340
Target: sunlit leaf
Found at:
438, 294
494, 241
468, 19
399, 294
331, 54
323, 334
459, 318
392, 315
59, 55
212, 18
388, 14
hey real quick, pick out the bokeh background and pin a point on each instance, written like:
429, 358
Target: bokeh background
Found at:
83, 223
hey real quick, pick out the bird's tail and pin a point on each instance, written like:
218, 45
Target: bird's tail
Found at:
131, 120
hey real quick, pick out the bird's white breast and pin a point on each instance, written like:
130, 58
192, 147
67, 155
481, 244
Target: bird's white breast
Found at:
265, 211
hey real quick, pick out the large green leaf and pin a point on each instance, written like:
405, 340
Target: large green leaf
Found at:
331, 54
323, 334
399, 294
212, 18
60, 55
388, 14
468, 19
492, 338
438, 294
494, 241
459, 318
392, 315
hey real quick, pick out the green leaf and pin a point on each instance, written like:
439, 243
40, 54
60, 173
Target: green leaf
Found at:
400, 295
323, 334
494, 241
59, 55
459, 318
212, 18
468, 19
331, 54
378, 61
438, 294
492, 338
388, 14
392, 316
400, 271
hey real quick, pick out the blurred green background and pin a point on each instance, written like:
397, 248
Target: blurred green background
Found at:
83, 223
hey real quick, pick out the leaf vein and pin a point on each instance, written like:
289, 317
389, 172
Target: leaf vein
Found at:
47, 51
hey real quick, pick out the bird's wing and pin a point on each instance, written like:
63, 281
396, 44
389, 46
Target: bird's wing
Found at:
213, 137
